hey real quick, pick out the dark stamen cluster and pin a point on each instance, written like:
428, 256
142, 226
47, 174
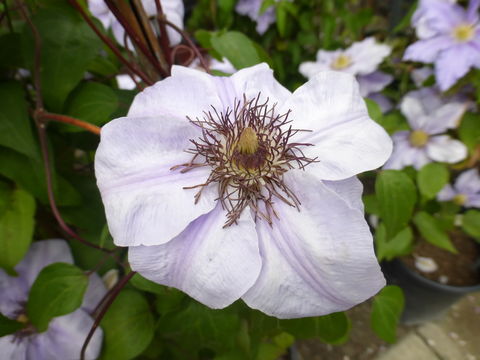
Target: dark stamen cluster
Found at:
245, 179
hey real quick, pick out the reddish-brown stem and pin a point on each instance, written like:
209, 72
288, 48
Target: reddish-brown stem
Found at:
134, 37
46, 116
110, 44
189, 41
107, 301
164, 39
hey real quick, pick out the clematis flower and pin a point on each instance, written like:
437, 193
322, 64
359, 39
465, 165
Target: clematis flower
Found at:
251, 8
173, 10
361, 59
465, 191
430, 117
65, 334
234, 187
449, 36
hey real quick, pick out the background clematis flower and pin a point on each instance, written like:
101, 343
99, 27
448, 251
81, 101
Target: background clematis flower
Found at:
465, 191
361, 59
173, 9
251, 8
449, 36
430, 117
253, 196
65, 334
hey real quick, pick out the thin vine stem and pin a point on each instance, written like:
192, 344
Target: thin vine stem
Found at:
107, 302
46, 116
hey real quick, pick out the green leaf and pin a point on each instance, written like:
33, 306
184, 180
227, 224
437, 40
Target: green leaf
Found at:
469, 130
16, 228
393, 121
386, 311
15, 130
57, 290
396, 195
374, 110
333, 328
432, 232
127, 326
9, 326
400, 244
238, 49
68, 48
371, 204
11, 54
146, 285
471, 223
432, 178
276, 348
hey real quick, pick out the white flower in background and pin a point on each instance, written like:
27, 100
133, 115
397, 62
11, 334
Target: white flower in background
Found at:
420, 75
173, 10
429, 117
251, 8
216, 189
65, 334
465, 191
361, 59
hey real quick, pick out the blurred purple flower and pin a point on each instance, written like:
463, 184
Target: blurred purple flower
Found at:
235, 203
361, 60
65, 334
251, 8
173, 10
430, 117
449, 37
465, 191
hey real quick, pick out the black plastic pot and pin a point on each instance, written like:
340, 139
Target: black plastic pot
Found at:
424, 299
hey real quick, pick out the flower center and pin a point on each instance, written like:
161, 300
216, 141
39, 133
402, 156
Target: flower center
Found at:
341, 62
460, 199
22, 318
418, 138
464, 32
248, 151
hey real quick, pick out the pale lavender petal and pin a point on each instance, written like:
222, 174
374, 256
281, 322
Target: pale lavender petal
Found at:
468, 182
383, 101
64, 339
447, 193
374, 82
350, 190
346, 141
314, 263
454, 63
140, 191
414, 110
367, 55
309, 68
41, 254
100, 10
472, 11
251, 8
13, 292
13, 348
404, 154
473, 200
445, 149
224, 66
445, 117
177, 96
420, 75
95, 291
427, 51
213, 264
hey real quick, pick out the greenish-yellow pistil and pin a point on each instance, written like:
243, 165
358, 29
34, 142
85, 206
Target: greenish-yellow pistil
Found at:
22, 318
248, 141
463, 33
341, 62
418, 138
460, 199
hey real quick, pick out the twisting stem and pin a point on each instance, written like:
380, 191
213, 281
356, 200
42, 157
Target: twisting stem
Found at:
107, 301
164, 39
46, 116
189, 41
110, 44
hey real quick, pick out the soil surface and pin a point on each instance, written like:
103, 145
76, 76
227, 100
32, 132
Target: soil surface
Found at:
453, 269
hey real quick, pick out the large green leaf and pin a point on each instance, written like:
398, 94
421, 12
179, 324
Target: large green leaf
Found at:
127, 326
68, 47
432, 232
57, 290
432, 178
396, 195
400, 244
469, 130
15, 130
238, 49
471, 223
16, 228
387, 308
9, 326
91, 102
